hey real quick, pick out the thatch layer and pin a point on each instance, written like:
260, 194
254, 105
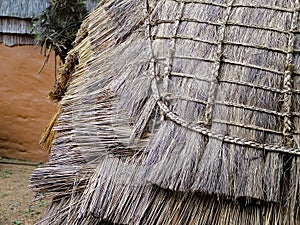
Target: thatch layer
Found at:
16, 18
22, 8
15, 26
13, 39
180, 112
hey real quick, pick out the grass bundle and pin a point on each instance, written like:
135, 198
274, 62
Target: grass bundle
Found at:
180, 112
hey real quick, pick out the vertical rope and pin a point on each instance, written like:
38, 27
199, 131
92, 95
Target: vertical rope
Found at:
288, 81
152, 62
216, 69
171, 53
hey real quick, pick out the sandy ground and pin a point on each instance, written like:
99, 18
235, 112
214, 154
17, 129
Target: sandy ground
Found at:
16, 205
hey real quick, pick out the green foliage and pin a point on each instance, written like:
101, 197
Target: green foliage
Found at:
6, 174
42, 203
56, 27
3, 195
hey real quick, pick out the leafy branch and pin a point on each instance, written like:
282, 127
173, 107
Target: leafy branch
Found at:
56, 28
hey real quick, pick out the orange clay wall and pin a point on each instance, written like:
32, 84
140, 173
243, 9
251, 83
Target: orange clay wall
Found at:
25, 108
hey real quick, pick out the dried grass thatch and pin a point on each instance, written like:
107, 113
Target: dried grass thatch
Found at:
16, 39
23, 9
180, 112
15, 26
15, 31
15, 20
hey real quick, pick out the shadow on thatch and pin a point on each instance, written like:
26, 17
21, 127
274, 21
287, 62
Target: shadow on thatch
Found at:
179, 112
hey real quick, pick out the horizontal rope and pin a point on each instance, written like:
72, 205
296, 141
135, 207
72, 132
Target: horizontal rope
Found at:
186, 38
230, 104
194, 58
247, 126
191, 76
249, 107
251, 85
190, 99
236, 82
230, 23
192, 20
202, 2
275, 8
242, 83
224, 42
252, 66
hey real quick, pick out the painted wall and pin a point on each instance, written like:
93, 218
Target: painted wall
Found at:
25, 108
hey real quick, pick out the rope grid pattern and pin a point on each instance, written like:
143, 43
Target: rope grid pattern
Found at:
224, 42
226, 61
231, 23
170, 58
241, 83
216, 68
288, 90
249, 5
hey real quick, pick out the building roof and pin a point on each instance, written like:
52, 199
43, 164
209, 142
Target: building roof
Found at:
22, 9
179, 112
16, 19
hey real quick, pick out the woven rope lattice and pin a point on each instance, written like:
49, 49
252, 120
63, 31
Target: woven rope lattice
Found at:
216, 68
287, 91
170, 58
176, 109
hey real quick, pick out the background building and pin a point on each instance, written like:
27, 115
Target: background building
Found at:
24, 107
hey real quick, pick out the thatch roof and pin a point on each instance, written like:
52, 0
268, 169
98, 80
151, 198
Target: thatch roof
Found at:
24, 9
16, 39
16, 19
15, 26
179, 112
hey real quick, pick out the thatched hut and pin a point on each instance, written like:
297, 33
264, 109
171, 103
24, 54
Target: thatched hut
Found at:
16, 20
179, 112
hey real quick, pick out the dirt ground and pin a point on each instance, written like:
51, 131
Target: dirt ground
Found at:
16, 205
